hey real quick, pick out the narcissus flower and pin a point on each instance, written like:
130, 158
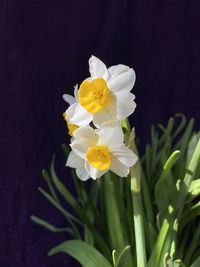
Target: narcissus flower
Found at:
70, 100
71, 127
95, 151
104, 96
78, 163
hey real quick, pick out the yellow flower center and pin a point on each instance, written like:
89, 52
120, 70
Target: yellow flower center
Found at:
99, 157
93, 95
71, 127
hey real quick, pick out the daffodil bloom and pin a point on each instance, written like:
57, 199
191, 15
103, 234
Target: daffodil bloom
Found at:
71, 127
70, 100
104, 96
95, 151
76, 162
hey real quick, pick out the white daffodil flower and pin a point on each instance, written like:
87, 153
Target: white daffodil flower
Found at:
77, 163
70, 100
104, 96
100, 150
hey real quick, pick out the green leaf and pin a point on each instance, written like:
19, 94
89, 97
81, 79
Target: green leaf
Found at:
51, 227
84, 253
189, 214
66, 194
181, 125
165, 188
171, 161
174, 239
155, 256
114, 215
123, 257
188, 178
193, 164
194, 242
59, 207
66, 149
194, 189
49, 183
178, 263
191, 146
182, 145
66, 214
79, 210
168, 262
61, 188
196, 263
114, 256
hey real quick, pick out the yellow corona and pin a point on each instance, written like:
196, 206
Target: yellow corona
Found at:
99, 157
93, 95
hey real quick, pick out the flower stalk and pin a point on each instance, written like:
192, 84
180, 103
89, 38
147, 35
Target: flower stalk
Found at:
135, 184
138, 216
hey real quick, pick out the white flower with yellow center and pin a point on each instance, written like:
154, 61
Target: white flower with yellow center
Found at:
103, 96
70, 127
94, 152
70, 100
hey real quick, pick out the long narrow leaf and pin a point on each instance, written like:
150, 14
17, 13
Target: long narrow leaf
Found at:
66, 214
80, 211
51, 227
84, 253
196, 263
50, 185
155, 257
123, 257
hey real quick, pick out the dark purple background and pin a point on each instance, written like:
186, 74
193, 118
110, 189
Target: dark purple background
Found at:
44, 49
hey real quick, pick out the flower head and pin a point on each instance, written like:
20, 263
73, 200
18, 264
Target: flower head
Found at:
104, 96
70, 100
95, 151
70, 127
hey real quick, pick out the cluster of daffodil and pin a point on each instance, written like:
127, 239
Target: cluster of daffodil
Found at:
149, 219
93, 118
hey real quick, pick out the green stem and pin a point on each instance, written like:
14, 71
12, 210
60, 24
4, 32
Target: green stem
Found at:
139, 229
138, 213
148, 211
113, 213
137, 201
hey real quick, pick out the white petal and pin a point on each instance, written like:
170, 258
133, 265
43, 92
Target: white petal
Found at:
93, 172
125, 104
76, 92
124, 96
119, 168
84, 137
87, 133
76, 114
111, 133
74, 161
69, 99
124, 81
107, 114
124, 154
117, 69
97, 68
78, 163
82, 173
80, 147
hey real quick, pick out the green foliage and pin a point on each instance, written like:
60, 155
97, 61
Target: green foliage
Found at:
123, 257
82, 252
120, 226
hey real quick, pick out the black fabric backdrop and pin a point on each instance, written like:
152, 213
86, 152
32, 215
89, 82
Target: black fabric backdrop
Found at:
44, 51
